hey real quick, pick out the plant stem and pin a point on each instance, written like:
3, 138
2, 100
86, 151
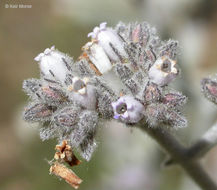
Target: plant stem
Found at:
204, 144
178, 154
201, 147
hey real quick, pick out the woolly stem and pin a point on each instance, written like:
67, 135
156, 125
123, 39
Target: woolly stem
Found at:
201, 147
178, 153
204, 144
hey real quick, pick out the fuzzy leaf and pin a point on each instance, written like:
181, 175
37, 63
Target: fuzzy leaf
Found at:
161, 114
68, 116
123, 72
174, 99
38, 112
87, 124
53, 95
151, 93
170, 48
87, 147
31, 87
48, 132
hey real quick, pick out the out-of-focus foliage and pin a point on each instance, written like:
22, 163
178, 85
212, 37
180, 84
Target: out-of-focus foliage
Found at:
125, 159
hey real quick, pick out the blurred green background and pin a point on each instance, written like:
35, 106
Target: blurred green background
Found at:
126, 159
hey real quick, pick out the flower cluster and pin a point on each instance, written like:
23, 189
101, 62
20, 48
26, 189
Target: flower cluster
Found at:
123, 73
209, 88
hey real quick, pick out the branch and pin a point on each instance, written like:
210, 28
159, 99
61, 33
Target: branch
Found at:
203, 145
178, 153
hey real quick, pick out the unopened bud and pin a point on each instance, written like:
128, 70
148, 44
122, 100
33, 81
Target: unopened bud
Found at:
209, 89
109, 40
98, 57
54, 64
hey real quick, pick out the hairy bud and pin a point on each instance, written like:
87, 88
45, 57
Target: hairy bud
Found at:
209, 89
109, 40
54, 64
98, 57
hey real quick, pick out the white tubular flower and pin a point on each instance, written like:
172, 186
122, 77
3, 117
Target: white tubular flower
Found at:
98, 57
79, 85
128, 110
163, 71
83, 93
108, 39
53, 64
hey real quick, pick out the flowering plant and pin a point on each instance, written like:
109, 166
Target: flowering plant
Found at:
123, 73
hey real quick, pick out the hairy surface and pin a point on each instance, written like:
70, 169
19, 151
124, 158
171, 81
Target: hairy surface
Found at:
128, 67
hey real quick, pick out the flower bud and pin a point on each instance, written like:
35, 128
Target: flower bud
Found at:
54, 64
209, 89
98, 57
109, 40
163, 71
128, 109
